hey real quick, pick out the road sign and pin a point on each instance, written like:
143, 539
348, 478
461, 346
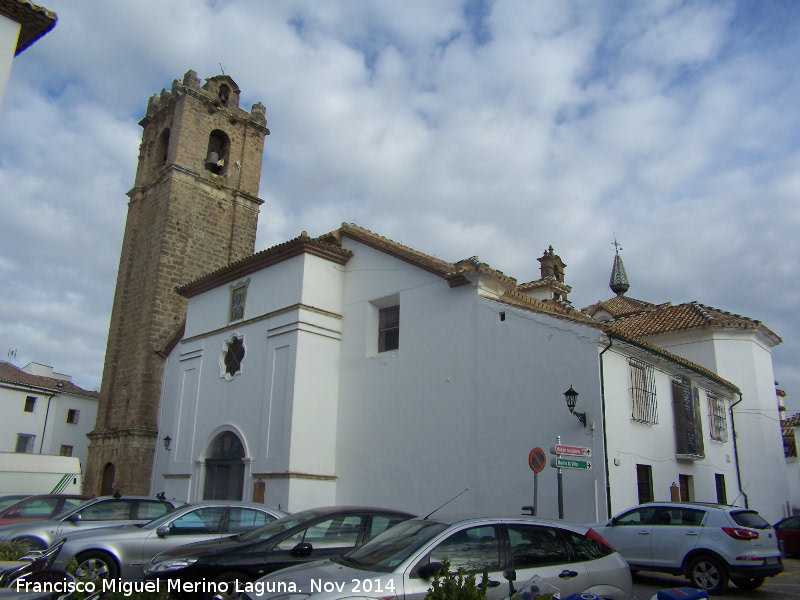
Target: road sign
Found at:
537, 460
570, 450
570, 463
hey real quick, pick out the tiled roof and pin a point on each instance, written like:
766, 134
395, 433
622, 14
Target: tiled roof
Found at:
685, 317
9, 374
34, 20
620, 306
546, 283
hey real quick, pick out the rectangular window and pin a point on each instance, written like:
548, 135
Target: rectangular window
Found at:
688, 424
24, 443
30, 402
717, 418
73, 415
644, 481
65, 450
722, 495
389, 328
643, 392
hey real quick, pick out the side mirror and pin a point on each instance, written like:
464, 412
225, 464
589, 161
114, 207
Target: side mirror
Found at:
302, 550
429, 570
162, 531
74, 517
613, 521
510, 574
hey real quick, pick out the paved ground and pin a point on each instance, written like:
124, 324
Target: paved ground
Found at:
785, 586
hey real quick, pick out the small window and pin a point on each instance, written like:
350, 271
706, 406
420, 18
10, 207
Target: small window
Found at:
389, 328
644, 482
30, 402
722, 494
219, 145
73, 415
238, 300
24, 443
643, 392
232, 357
717, 418
65, 450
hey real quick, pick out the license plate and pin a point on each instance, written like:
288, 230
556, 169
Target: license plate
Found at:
773, 561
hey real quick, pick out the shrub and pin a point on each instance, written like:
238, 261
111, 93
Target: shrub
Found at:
12, 550
456, 586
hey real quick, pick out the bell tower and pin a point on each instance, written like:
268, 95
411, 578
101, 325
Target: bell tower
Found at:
193, 209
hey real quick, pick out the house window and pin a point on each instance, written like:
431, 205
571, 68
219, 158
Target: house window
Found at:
717, 418
722, 495
643, 392
688, 424
232, 357
73, 415
24, 443
238, 299
389, 328
30, 402
65, 450
644, 482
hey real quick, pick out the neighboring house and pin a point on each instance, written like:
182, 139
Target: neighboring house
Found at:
21, 24
44, 412
791, 434
732, 347
352, 369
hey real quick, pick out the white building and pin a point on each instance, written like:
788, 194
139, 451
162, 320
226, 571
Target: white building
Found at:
21, 24
44, 412
350, 369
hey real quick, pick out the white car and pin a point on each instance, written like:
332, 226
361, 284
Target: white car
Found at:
401, 562
707, 543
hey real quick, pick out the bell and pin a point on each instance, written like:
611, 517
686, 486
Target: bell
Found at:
212, 159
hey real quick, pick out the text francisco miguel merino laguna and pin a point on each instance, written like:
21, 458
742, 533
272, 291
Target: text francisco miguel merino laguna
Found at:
153, 586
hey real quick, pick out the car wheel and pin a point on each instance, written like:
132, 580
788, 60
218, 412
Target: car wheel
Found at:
748, 583
30, 543
707, 573
96, 565
232, 579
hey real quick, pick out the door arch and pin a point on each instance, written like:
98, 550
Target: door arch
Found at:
107, 483
225, 468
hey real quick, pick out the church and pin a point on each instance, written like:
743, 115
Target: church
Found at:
347, 368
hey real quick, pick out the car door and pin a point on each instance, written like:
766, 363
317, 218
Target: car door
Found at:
542, 550
105, 513
200, 524
675, 532
329, 536
630, 534
474, 549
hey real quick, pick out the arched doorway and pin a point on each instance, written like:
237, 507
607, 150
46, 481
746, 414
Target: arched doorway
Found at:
107, 484
225, 468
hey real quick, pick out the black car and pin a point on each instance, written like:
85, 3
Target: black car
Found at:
305, 536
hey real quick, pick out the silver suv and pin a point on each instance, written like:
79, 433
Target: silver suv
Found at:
707, 543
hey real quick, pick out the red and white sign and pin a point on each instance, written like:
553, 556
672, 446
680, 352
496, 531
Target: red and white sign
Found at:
570, 450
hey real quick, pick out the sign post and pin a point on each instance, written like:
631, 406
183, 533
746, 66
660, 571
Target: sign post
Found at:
537, 461
568, 457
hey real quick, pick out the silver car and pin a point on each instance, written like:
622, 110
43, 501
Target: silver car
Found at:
98, 512
401, 561
123, 551
707, 543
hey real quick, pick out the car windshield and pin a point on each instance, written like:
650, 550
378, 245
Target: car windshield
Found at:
750, 518
74, 509
7, 501
270, 529
386, 551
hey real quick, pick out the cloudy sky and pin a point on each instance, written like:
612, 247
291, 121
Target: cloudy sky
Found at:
459, 128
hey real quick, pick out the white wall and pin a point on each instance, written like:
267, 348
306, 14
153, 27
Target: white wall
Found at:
70, 434
631, 443
9, 33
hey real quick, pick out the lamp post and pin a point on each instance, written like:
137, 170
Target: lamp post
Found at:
167, 441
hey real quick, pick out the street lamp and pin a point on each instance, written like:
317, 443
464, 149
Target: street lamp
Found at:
167, 442
571, 396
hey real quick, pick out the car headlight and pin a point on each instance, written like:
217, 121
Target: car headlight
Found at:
170, 565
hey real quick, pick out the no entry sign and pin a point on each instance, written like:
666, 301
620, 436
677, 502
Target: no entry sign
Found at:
537, 460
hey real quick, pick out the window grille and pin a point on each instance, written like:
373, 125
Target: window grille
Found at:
643, 392
717, 418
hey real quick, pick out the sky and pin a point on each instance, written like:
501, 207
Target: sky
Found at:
459, 128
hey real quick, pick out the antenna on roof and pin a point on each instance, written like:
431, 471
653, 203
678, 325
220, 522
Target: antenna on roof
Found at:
221, 69
445, 504
12, 353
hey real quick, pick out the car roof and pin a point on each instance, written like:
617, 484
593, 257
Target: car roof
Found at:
328, 510
460, 518
241, 503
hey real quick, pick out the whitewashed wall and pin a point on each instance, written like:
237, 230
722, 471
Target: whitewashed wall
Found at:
9, 33
631, 443
70, 434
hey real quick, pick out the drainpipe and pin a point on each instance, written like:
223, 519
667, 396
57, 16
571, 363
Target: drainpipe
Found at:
605, 436
44, 427
736, 454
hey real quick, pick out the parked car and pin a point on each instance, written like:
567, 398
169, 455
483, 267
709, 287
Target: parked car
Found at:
123, 551
304, 536
41, 506
788, 532
97, 512
402, 561
707, 543
6, 501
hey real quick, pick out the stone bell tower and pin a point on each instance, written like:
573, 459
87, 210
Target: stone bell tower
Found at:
193, 209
